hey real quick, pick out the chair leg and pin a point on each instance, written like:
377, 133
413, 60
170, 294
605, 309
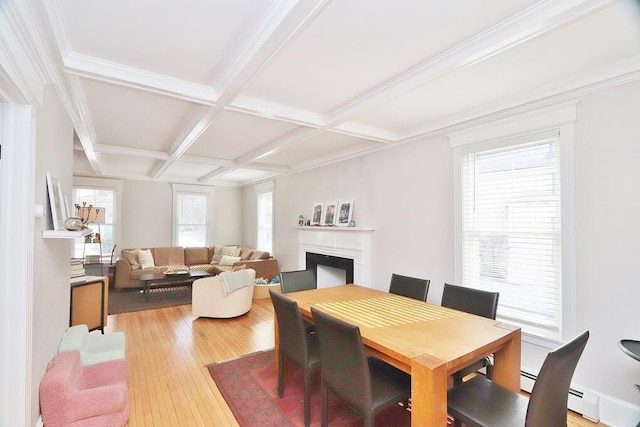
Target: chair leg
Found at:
457, 378
280, 375
324, 406
307, 397
489, 369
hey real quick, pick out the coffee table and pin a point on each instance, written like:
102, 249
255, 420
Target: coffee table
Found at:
150, 279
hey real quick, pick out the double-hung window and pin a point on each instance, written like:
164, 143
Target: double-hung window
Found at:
191, 213
514, 225
264, 194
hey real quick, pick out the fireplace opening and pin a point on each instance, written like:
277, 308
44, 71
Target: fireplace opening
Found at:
334, 271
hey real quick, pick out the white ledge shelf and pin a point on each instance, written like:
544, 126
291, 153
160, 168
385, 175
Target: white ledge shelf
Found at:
336, 228
65, 234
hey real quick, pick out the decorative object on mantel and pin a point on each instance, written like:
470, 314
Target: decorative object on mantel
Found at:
55, 201
316, 213
345, 212
329, 212
301, 219
352, 223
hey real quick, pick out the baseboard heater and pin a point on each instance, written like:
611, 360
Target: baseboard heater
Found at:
584, 403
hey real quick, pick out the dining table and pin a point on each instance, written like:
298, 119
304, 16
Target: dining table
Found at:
427, 341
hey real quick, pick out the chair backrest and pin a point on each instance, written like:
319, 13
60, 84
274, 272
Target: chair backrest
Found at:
469, 300
291, 330
345, 369
300, 280
409, 286
548, 401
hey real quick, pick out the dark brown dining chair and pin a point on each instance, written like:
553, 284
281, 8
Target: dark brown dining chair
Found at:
297, 345
367, 384
480, 402
474, 301
409, 286
299, 280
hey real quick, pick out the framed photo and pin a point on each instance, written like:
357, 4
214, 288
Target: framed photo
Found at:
316, 213
329, 216
56, 202
345, 212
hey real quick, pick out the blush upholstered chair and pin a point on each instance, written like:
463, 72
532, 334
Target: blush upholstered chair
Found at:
75, 395
208, 297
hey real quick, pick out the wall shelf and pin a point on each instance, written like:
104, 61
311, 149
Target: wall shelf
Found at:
65, 234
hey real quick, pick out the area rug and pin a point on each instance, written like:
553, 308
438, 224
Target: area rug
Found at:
130, 300
249, 385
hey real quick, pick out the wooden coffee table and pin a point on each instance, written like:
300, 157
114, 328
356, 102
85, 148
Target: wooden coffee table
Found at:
150, 279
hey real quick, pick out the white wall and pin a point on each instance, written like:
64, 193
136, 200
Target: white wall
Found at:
147, 208
51, 291
406, 193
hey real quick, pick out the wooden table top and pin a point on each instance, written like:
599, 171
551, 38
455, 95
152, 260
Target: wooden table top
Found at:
403, 329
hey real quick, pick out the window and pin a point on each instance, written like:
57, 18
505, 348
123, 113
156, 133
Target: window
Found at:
514, 227
102, 198
265, 218
191, 215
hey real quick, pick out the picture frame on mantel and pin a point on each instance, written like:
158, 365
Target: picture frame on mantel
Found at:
55, 201
329, 213
316, 213
345, 212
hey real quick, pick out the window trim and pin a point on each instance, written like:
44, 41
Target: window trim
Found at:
560, 117
192, 189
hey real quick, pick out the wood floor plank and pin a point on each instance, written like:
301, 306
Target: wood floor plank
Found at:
167, 353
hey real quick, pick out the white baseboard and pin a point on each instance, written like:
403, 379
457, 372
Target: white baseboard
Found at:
618, 413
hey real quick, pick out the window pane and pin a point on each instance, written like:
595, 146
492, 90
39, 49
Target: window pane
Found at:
265, 221
512, 232
192, 219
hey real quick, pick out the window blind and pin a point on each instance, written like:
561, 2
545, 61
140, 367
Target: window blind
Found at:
511, 231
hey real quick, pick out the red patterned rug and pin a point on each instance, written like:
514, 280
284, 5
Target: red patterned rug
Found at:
249, 385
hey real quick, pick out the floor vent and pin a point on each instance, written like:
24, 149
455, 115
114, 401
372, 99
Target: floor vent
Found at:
584, 403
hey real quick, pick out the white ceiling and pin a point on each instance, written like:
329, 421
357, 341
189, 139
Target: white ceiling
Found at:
236, 92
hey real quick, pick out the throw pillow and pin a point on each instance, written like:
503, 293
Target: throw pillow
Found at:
217, 254
231, 251
239, 267
131, 255
229, 260
260, 255
145, 258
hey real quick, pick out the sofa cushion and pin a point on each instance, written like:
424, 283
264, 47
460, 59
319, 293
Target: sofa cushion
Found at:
135, 274
169, 256
260, 255
229, 260
217, 254
245, 253
145, 258
193, 256
231, 250
131, 255
209, 268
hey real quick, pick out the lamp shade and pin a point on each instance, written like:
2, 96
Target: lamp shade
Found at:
91, 215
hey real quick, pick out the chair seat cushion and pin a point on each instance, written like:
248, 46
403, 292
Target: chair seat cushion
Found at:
484, 403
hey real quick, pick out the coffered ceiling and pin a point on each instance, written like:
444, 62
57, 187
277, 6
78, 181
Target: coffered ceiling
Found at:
236, 92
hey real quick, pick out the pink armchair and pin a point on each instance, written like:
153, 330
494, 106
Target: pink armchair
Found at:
75, 395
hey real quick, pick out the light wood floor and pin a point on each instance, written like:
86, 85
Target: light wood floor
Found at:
167, 351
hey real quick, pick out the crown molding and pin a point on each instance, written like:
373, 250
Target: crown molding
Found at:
272, 110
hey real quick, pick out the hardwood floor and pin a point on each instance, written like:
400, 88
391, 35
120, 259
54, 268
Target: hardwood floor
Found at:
167, 351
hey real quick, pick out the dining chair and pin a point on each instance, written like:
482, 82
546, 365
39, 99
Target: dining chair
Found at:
367, 384
409, 286
299, 280
474, 301
297, 345
480, 402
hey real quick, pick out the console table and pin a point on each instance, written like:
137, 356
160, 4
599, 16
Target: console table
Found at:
89, 303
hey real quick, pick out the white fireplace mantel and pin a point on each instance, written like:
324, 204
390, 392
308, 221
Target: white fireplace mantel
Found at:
345, 242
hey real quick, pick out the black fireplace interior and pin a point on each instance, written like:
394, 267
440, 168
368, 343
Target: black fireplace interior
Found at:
346, 264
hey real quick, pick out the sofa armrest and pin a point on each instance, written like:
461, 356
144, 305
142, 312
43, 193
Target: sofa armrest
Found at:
265, 268
123, 273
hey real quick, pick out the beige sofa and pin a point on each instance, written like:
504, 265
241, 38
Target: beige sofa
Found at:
135, 262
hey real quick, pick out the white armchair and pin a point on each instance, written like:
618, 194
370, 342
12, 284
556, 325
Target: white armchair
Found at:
208, 298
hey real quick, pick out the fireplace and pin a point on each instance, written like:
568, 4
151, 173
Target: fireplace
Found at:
345, 249
339, 271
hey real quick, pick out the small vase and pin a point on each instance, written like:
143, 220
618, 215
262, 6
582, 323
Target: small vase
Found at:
73, 224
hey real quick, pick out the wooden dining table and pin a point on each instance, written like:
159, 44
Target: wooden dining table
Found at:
427, 341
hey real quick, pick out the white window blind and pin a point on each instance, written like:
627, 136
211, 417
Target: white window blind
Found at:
511, 231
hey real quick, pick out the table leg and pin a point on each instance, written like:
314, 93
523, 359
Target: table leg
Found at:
506, 362
428, 392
